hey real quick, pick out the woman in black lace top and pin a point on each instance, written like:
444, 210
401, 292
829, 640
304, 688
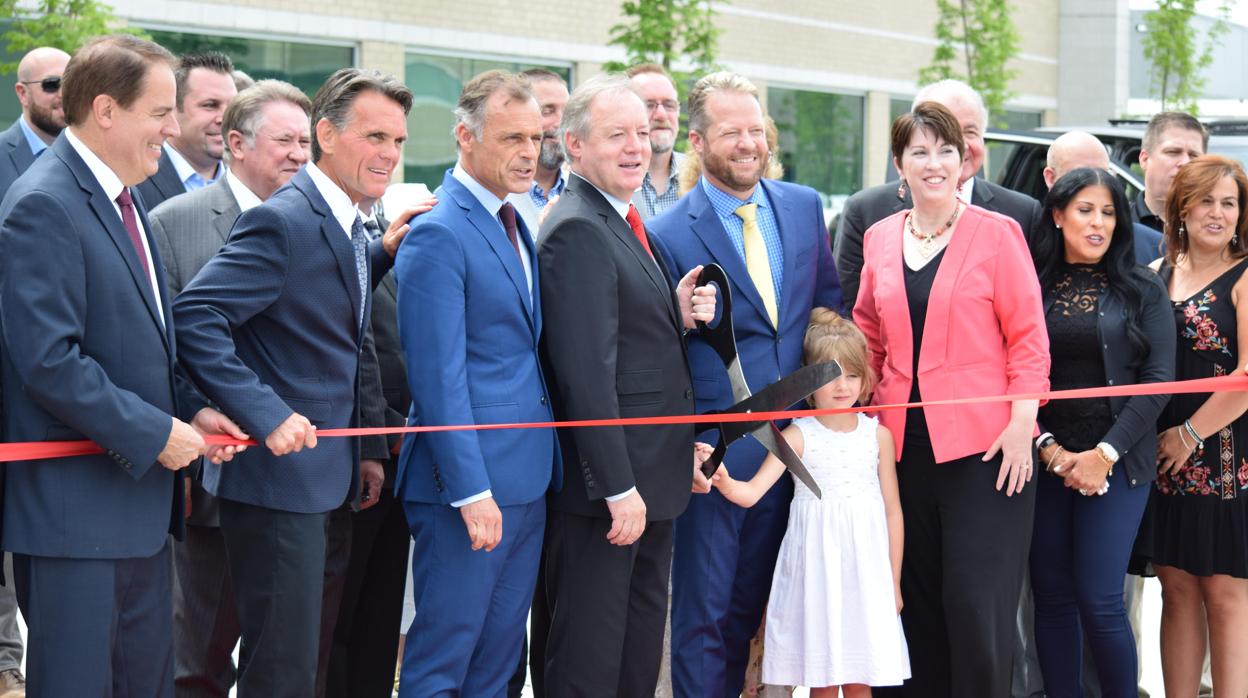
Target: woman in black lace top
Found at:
1109, 324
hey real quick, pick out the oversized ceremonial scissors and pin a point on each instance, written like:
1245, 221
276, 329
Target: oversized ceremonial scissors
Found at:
780, 395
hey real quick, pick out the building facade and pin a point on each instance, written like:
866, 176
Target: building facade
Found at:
833, 72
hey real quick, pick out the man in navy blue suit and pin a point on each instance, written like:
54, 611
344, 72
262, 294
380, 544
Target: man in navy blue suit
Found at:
90, 353
470, 317
770, 238
274, 326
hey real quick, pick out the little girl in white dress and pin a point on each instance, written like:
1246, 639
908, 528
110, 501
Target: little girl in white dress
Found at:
832, 620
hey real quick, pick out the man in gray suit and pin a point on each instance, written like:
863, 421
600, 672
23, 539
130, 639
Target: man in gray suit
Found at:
661, 187
268, 139
39, 91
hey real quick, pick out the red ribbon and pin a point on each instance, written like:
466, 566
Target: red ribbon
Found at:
35, 450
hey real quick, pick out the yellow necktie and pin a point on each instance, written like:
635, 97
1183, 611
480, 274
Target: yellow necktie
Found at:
756, 261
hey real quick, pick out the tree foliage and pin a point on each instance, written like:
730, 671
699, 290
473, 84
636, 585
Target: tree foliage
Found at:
983, 33
665, 31
63, 24
1176, 62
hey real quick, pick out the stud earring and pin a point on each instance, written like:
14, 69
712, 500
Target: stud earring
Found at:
1182, 230
1058, 225
901, 189
1234, 239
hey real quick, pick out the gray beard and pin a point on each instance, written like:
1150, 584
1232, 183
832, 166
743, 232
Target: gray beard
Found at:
551, 158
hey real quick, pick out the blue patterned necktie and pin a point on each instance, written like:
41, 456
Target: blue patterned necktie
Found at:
359, 243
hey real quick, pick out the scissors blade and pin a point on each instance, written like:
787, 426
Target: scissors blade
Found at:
775, 442
787, 391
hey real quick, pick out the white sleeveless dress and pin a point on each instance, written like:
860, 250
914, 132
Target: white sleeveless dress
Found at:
832, 618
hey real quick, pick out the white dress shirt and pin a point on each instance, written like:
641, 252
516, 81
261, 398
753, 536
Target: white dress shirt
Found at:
112, 186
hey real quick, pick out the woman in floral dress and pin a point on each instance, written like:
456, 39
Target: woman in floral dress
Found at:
1199, 526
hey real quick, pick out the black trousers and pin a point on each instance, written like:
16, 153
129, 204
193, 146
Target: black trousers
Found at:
608, 608
205, 615
277, 561
965, 553
366, 639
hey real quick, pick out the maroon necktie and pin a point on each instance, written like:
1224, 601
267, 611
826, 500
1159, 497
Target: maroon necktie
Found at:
126, 202
634, 222
508, 214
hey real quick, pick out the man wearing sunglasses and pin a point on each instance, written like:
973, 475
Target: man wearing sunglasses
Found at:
39, 90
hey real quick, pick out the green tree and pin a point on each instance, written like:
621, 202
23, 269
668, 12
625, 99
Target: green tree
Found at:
664, 31
983, 32
64, 24
1176, 62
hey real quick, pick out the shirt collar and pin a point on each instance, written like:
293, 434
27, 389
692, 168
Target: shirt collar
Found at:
486, 198
340, 204
967, 190
673, 174
36, 143
555, 189
726, 204
245, 197
109, 181
184, 169
620, 206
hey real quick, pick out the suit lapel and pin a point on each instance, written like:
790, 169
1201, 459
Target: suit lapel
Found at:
339, 243
225, 210
892, 251
940, 300
19, 151
489, 228
782, 209
166, 177
710, 230
981, 195
107, 214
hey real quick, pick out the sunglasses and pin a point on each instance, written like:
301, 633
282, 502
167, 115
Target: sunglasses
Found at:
50, 85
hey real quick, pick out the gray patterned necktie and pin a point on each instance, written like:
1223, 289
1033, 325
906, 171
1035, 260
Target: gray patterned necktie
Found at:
359, 243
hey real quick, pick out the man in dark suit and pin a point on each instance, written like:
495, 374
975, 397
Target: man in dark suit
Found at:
192, 159
1075, 149
470, 319
872, 205
39, 91
274, 326
614, 346
268, 138
770, 238
90, 352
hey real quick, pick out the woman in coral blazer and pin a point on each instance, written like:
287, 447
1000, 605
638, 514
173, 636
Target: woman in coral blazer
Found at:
949, 295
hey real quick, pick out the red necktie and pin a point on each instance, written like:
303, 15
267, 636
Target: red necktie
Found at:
634, 222
508, 215
126, 202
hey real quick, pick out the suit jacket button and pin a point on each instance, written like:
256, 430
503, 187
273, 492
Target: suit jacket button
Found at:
688, 393
543, 399
1133, 482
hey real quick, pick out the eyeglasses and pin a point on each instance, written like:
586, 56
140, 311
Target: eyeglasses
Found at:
667, 104
50, 85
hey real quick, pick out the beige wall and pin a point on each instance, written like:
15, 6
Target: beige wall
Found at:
872, 49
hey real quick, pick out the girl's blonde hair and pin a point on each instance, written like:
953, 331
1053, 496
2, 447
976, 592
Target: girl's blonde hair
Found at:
832, 337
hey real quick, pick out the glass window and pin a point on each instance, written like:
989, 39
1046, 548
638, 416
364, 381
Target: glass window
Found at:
436, 80
821, 140
1020, 120
896, 107
303, 65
